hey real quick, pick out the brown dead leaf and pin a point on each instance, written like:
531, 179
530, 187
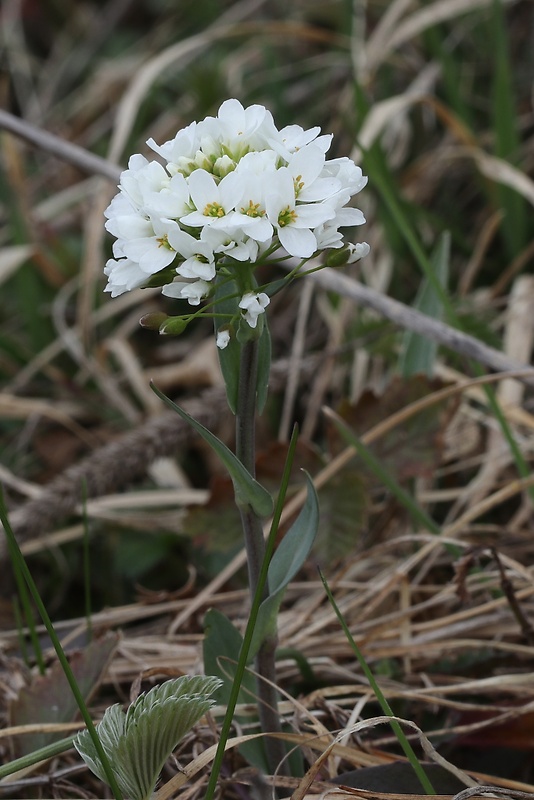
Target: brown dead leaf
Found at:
49, 698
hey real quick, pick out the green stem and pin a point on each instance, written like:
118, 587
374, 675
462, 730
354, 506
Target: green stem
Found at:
249, 631
255, 548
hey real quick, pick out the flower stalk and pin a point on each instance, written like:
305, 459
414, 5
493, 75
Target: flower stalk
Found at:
255, 547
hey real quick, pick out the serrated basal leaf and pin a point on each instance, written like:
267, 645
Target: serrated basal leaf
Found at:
247, 490
139, 742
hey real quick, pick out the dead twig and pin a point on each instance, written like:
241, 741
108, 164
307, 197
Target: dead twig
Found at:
56, 146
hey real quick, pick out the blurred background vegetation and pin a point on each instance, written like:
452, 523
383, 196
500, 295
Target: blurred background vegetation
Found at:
435, 100
423, 94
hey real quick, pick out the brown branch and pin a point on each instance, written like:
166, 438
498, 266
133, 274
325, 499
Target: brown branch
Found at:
412, 320
125, 460
56, 146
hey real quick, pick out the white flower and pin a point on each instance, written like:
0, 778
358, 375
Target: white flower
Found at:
193, 291
253, 305
231, 243
293, 222
183, 146
123, 276
223, 338
227, 193
172, 200
306, 168
199, 260
357, 251
146, 242
215, 203
141, 177
242, 129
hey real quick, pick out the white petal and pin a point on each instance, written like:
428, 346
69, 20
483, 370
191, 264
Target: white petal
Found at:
203, 189
298, 241
223, 338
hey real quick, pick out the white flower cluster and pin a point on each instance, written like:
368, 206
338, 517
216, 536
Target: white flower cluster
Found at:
233, 190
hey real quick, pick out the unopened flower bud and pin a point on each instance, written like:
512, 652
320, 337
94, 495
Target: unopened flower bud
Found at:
154, 320
223, 166
173, 326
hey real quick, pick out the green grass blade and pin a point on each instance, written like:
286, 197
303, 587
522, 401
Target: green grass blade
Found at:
416, 512
42, 754
384, 705
419, 352
505, 127
16, 553
24, 599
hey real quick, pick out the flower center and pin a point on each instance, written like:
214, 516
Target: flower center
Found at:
286, 217
253, 210
213, 210
164, 242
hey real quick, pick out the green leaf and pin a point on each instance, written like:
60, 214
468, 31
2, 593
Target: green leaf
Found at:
139, 742
295, 547
247, 490
419, 352
289, 557
221, 648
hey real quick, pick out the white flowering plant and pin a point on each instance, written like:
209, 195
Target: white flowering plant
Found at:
233, 193
228, 195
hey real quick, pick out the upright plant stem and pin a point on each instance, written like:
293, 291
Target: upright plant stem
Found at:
255, 547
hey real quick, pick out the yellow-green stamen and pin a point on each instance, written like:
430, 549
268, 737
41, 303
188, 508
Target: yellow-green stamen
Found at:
164, 242
213, 210
253, 210
286, 217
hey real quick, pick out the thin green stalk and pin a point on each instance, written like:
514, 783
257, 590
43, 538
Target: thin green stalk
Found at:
27, 610
384, 705
44, 753
255, 548
15, 550
249, 631
521, 464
